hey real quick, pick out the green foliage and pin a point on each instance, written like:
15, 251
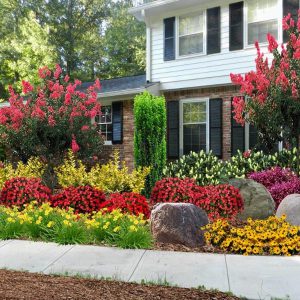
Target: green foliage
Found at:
150, 136
205, 168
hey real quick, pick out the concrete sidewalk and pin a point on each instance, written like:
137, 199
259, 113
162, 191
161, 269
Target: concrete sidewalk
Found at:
253, 277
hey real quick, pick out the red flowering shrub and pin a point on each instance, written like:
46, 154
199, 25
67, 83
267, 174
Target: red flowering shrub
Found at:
51, 118
83, 199
175, 190
221, 201
130, 202
20, 190
273, 176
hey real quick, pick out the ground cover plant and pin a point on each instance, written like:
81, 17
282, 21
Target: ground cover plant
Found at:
273, 236
66, 227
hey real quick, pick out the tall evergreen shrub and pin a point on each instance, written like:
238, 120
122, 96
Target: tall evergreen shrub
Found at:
150, 122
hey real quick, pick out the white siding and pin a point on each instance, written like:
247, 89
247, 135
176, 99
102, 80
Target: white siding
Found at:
201, 70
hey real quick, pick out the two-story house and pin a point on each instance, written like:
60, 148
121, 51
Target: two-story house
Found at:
192, 47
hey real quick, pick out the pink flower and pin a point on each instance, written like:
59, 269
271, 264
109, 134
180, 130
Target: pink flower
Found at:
44, 72
27, 87
75, 146
85, 128
272, 43
51, 121
57, 71
67, 78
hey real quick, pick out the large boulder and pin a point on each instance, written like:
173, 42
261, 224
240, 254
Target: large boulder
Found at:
258, 202
290, 206
178, 223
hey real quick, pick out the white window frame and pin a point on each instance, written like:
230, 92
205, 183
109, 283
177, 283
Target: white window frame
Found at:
192, 100
106, 143
203, 11
279, 37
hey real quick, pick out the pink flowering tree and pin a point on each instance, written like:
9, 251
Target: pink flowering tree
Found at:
51, 118
271, 94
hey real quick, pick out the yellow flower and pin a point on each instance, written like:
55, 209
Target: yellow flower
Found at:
50, 224
67, 223
132, 228
116, 229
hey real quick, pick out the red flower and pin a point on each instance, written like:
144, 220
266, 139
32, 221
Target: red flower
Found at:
75, 146
27, 87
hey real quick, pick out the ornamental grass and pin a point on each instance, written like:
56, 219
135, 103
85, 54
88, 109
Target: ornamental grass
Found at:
273, 236
65, 227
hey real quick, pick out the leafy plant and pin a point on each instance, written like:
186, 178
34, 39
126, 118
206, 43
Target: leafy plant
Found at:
20, 190
128, 202
204, 167
83, 199
150, 136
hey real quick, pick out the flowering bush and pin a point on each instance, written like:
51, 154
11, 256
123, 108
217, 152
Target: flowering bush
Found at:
54, 117
221, 201
280, 190
204, 167
176, 190
273, 236
20, 190
66, 227
83, 199
131, 203
272, 176
109, 178
34, 168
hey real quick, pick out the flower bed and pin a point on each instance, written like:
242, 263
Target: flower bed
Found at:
65, 227
273, 236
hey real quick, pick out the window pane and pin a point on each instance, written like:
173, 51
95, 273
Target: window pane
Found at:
194, 112
194, 138
258, 31
105, 114
191, 44
259, 10
191, 24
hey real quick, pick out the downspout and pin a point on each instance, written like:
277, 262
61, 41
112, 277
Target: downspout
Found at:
148, 53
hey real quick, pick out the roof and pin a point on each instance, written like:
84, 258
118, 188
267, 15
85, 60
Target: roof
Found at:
119, 84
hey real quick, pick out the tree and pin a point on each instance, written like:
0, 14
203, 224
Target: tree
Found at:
271, 93
124, 42
54, 118
150, 136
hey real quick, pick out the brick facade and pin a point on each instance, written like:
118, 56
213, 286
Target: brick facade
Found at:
224, 92
126, 148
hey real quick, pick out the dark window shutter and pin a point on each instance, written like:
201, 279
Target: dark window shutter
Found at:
290, 6
169, 39
237, 135
173, 129
215, 126
236, 26
253, 137
213, 30
117, 122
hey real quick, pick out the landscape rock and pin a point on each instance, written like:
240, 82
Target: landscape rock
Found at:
258, 202
290, 206
178, 223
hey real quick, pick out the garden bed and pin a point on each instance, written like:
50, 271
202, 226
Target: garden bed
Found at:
21, 285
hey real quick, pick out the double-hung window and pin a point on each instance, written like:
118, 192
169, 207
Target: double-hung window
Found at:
194, 125
191, 34
104, 121
262, 17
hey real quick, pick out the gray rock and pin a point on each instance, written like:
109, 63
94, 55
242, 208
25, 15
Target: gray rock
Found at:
258, 202
290, 206
178, 223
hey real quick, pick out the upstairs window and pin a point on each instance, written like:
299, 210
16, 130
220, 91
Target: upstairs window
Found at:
262, 19
191, 34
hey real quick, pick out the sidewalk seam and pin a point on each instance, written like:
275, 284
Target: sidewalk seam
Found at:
136, 266
52, 263
227, 273
6, 243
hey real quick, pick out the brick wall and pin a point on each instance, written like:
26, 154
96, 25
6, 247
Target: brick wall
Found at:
126, 148
224, 92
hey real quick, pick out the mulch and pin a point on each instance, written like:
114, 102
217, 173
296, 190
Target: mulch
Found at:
23, 285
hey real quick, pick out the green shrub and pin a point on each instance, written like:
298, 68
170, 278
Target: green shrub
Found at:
205, 168
150, 136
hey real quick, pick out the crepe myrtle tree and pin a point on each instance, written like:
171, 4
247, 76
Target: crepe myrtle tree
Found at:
49, 119
271, 94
